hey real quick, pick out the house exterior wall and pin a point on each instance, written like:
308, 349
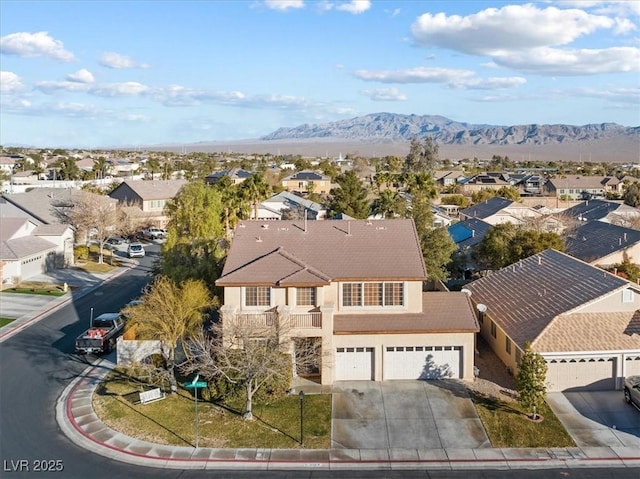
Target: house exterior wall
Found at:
614, 302
631, 254
125, 194
499, 342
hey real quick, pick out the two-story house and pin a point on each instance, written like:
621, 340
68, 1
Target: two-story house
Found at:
355, 286
307, 182
146, 200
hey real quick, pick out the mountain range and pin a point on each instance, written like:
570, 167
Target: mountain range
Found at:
390, 127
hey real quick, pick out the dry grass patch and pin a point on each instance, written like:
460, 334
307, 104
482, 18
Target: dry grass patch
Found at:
171, 420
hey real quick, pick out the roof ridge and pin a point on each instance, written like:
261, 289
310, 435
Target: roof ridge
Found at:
291, 257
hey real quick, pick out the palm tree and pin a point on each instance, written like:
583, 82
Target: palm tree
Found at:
101, 167
255, 189
389, 204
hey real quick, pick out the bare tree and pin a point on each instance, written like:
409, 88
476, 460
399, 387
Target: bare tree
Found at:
249, 351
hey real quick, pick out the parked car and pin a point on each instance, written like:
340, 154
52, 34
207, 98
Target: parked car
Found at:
135, 250
154, 233
112, 242
632, 390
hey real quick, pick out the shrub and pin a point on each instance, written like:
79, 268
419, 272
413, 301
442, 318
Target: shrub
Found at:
81, 252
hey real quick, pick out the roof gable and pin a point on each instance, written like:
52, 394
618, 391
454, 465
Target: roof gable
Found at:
487, 208
151, 190
596, 239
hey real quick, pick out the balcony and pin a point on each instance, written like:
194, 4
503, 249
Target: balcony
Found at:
259, 319
311, 320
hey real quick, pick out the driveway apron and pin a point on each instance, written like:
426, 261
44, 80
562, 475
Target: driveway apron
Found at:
405, 415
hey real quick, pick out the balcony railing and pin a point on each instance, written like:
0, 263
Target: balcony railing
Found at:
310, 320
306, 320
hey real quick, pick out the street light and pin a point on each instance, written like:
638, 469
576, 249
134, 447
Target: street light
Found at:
301, 396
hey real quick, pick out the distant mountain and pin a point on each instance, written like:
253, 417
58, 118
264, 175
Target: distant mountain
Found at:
390, 127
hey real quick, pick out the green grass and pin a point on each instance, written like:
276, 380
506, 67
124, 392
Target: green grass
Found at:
5, 321
507, 425
171, 420
34, 287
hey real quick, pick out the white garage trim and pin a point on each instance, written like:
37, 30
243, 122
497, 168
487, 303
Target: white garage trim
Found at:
581, 373
422, 362
354, 364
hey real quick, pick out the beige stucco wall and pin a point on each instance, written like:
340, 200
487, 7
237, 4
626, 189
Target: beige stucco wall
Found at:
613, 302
631, 254
498, 344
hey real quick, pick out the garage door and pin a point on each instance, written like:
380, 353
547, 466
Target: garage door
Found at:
588, 374
632, 366
354, 364
32, 266
422, 362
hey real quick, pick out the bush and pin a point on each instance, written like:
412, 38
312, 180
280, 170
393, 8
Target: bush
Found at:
81, 253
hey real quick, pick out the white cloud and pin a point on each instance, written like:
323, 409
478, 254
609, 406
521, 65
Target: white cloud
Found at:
512, 28
491, 83
284, 5
40, 44
414, 75
568, 62
81, 76
623, 96
118, 61
65, 109
354, 6
97, 89
385, 94
10, 83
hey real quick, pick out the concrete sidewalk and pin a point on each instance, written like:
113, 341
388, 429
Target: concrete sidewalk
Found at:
77, 419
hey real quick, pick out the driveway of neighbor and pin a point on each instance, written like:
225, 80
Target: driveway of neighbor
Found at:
597, 418
405, 415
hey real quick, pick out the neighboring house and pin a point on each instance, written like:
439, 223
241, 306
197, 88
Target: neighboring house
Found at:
236, 175
146, 200
584, 321
584, 187
499, 210
123, 167
604, 244
447, 178
527, 183
285, 203
356, 287
601, 210
27, 250
301, 181
467, 235
8, 163
487, 211
483, 182
44, 205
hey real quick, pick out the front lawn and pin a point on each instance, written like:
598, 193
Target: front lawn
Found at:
508, 426
34, 287
5, 321
171, 420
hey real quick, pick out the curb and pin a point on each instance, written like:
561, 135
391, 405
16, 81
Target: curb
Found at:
59, 303
86, 430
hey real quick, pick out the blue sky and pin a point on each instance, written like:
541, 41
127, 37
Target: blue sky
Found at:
111, 73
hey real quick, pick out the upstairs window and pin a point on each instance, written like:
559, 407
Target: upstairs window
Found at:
374, 294
257, 296
627, 296
306, 296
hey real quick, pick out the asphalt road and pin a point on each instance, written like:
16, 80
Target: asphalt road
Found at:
37, 363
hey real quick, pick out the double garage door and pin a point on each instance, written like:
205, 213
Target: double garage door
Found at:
400, 362
588, 374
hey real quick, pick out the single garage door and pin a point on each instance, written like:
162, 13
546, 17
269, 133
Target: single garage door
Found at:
632, 366
587, 374
422, 362
354, 364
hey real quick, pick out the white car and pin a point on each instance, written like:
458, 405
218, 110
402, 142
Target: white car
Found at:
154, 233
135, 250
632, 390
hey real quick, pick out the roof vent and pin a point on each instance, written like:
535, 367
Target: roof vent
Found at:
539, 259
482, 308
466, 291
241, 225
265, 226
258, 239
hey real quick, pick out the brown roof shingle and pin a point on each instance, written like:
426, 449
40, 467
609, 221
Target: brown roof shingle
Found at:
442, 312
332, 250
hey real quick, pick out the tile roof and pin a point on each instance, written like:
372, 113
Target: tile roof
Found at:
469, 232
525, 297
594, 240
487, 208
307, 175
590, 210
598, 332
154, 189
231, 173
333, 249
11, 226
442, 312
290, 199
42, 203
594, 182
17, 248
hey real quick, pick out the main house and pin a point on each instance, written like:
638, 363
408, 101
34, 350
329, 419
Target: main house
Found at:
355, 286
584, 321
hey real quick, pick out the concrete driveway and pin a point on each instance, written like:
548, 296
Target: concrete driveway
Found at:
597, 418
405, 415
